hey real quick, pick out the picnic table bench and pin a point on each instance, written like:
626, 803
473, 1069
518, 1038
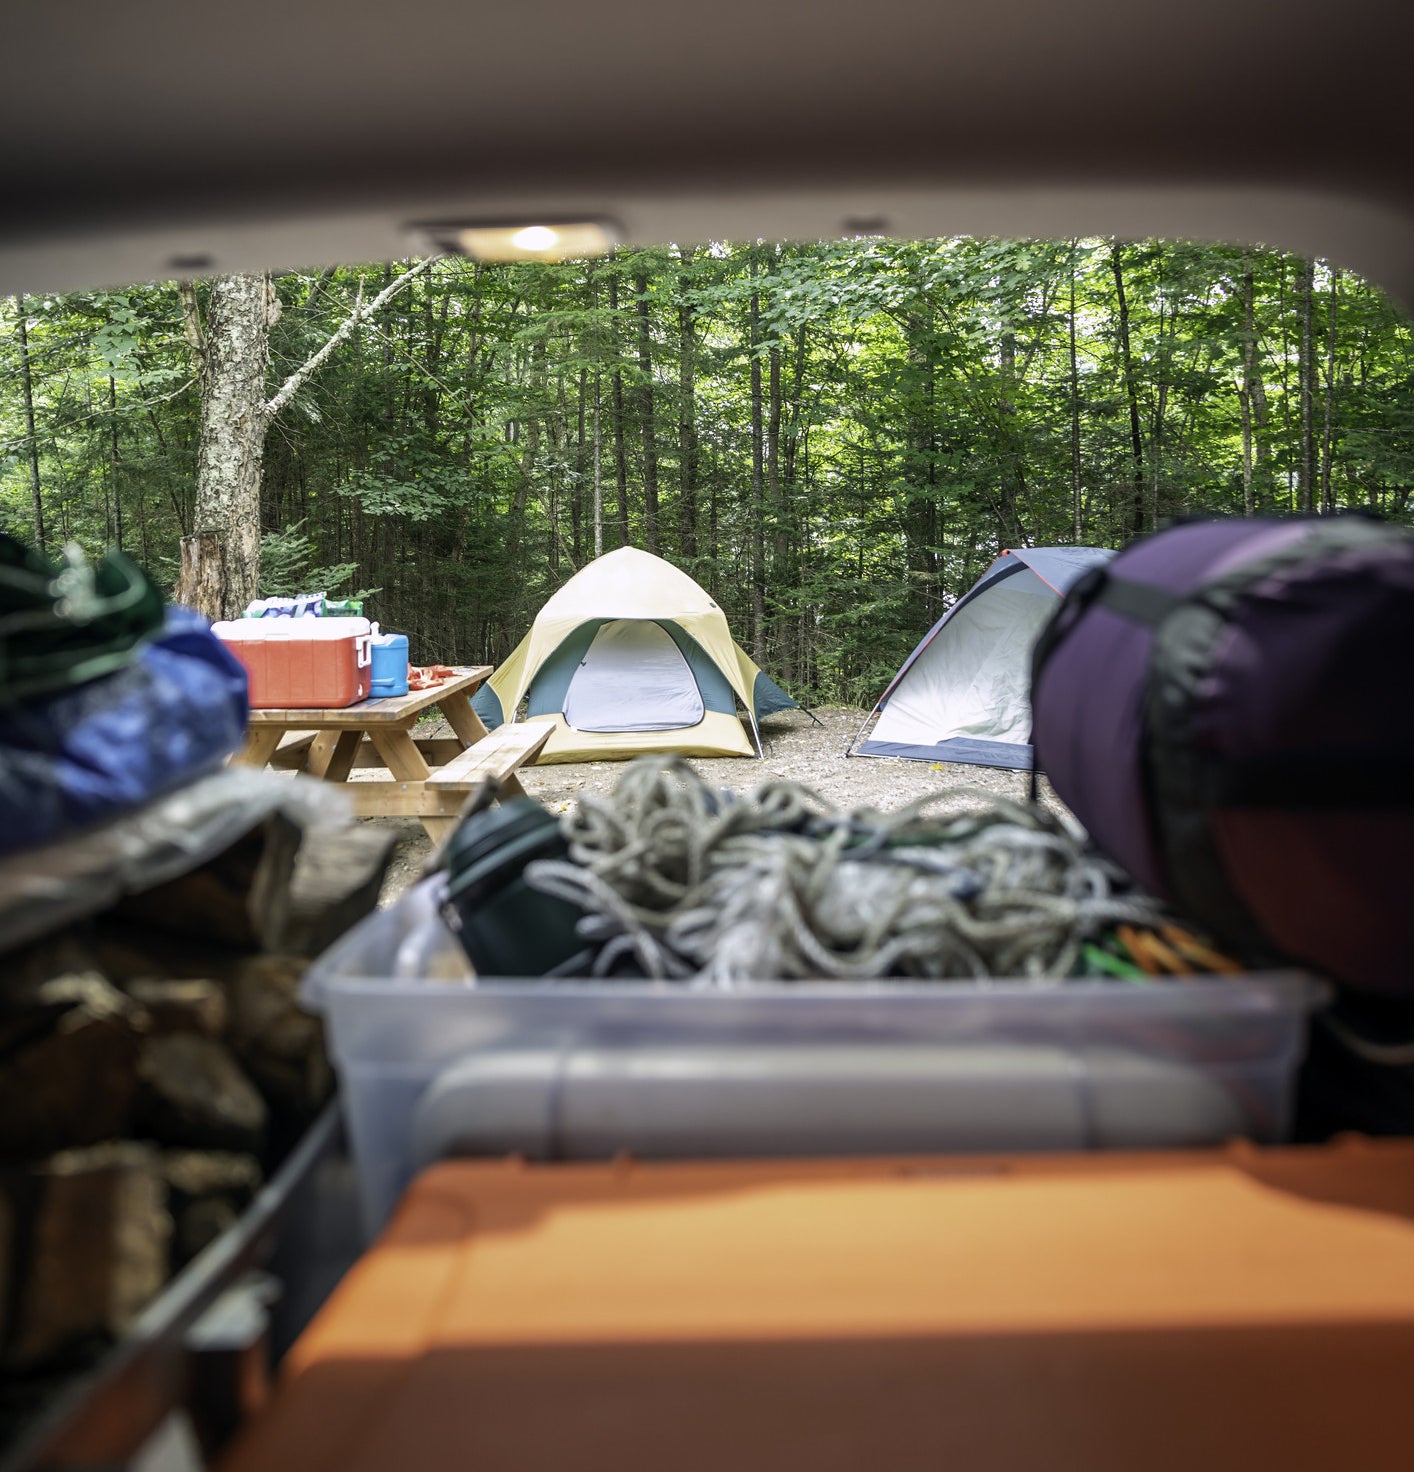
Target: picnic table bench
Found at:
430, 777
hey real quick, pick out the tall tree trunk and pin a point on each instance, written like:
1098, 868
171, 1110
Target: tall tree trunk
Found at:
1327, 442
115, 463
531, 455
758, 508
1283, 316
793, 438
1010, 532
775, 512
794, 653
620, 458
1076, 505
436, 327
687, 417
920, 521
576, 503
221, 558
598, 474
1306, 372
142, 529
714, 539
31, 443
646, 412
1131, 392
1156, 456
1244, 397
598, 436
381, 561
558, 433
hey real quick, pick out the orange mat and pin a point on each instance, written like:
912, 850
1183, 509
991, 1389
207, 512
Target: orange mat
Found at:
1241, 1308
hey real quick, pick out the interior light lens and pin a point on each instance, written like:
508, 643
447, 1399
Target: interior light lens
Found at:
522, 241
536, 238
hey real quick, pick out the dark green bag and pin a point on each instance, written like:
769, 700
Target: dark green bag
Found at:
65, 623
505, 927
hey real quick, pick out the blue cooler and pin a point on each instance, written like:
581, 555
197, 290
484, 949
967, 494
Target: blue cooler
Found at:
390, 665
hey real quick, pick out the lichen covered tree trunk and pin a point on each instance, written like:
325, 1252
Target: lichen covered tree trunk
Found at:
220, 570
231, 450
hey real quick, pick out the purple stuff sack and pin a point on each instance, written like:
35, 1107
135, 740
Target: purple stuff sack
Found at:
1226, 707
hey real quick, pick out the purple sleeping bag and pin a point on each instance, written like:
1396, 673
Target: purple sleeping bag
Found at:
1227, 707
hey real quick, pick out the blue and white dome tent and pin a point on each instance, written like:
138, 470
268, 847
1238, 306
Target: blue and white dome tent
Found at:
963, 695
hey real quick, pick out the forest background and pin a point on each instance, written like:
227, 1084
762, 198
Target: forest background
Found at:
835, 439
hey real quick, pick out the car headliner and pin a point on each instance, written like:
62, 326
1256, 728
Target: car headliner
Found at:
157, 137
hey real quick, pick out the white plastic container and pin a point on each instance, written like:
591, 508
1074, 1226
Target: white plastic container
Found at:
573, 1069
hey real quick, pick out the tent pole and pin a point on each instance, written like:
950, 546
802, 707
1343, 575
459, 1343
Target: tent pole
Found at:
849, 749
756, 734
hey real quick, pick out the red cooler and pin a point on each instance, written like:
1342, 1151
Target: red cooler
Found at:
302, 663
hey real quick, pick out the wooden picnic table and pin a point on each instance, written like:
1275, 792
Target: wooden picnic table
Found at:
332, 744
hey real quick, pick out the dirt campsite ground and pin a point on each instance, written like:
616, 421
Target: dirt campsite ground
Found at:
797, 750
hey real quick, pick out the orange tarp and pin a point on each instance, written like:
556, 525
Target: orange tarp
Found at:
1241, 1308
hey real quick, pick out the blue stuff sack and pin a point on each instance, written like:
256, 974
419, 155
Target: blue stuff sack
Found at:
101, 749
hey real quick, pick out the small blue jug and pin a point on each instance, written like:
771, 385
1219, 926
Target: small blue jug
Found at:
390, 665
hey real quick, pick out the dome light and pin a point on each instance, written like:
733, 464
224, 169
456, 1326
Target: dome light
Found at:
521, 241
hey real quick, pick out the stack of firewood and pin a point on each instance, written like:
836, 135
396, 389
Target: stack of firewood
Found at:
155, 1066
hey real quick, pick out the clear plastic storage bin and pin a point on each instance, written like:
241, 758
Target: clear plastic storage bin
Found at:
433, 1062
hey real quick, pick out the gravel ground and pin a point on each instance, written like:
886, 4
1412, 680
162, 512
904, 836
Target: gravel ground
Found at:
796, 749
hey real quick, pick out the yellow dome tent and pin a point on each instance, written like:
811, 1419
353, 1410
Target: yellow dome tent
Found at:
632, 656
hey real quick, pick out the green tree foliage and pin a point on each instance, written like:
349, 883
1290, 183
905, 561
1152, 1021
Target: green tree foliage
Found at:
287, 567
835, 439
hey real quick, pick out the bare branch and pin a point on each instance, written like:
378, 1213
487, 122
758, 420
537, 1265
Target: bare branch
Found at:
317, 286
312, 365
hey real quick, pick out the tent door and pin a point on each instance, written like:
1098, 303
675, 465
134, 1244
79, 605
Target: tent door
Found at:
632, 678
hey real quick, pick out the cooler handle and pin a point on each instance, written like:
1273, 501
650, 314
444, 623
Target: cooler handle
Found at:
363, 650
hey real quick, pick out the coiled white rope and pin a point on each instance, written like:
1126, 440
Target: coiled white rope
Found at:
717, 889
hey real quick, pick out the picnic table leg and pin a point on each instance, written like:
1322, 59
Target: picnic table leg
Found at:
407, 764
316, 763
400, 754
332, 755
462, 718
260, 744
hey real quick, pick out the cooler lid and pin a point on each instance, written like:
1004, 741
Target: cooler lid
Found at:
250, 630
